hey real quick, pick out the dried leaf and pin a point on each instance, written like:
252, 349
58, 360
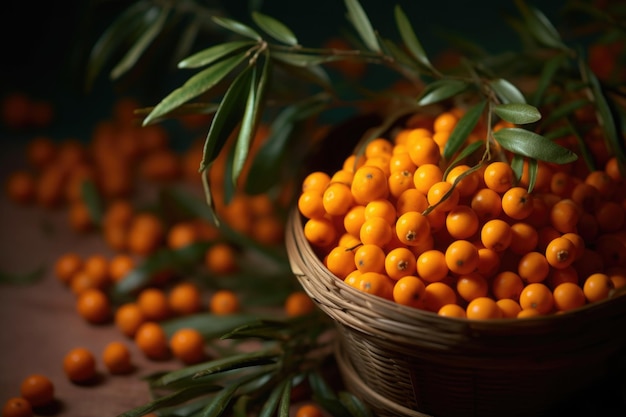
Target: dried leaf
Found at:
531, 145
275, 28
362, 24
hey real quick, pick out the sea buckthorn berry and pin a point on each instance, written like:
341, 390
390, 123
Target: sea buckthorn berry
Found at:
409, 291
425, 176
462, 222
151, 339
445, 122
94, 306
561, 184
603, 182
181, 234
586, 196
309, 410
401, 162
66, 266
533, 267
298, 303
369, 258
340, 261
221, 258
376, 284
17, 407
352, 163
369, 183
507, 284
400, 262
437, 295
79, 365
120, 266
525, 238
154, 304
187, 344
487, 204
399, 182
116, 358
320, 232
610, 216
37, 389
411, 200
452, 310
424, 150
471, 286
559, 276
316, 181
311, 205
483, 308
145, 234
184, 299
528, 313
377, 147
510, 308
376, 231
443, 196
597, 287
564, 216
337, 199
342, 176
488, 262
128, 318
517, 203
496, 234
381, 208
568, 296
431, 266
21, 187
469, 182
353, 220
412, 227
461, 257
537, 296
224, 302
578, 242
560, 252
498, 176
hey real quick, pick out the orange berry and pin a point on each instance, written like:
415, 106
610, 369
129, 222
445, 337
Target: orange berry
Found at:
37, 389
187, 344
221, 258
443, 196
469, 182
471, 286
369, 183
409, 291
17, 407
184, 299
340, 261
528, 313
298, 303
461, 257
320, 232
564, 216
498, 176
507, 284
375, 231
462, 222
94, 306
568, 296
154, 304
40, 151
120, 266
151, 339
525, 238
21, 187
452, 310
509, 308
116, 358
79, 365
377, 147
496, 234
309, 410
487, 204
537, 296
411, 200
437, 295
603, 182
145, 234
337, 199
401, 162
488, 262
412, 228
381, 208
181, 234
517, 203
445, 122
66, 266
353, 220
369, 258
533, 267
559, 276
597, 287
224, 302
400, 262
561, 184
376, 284
400, 181
483, 308
311, 205
317, 181
128, 318
431, 266
424, 150
611, 216
425, 176
560, 252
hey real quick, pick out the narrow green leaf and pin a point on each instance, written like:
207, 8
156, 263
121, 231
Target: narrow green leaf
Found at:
93, 200
22, 278
175, 398
540, 27
140, 46
333, 406
186, 41
195, 86
517, 165
211, 326
238, 361
356, 407
271, 404
320, 387
441, 90
462, 130
113, 38
410, 39
237, 27
531, 145
227, 117
533, 168
274, 28
314, 74
220, 401
506, 91
240, 408
399, 54
467, 151
583, 148
362, 24
564, 110
214, 53
548, 73
285, 399
517, 113
303, 60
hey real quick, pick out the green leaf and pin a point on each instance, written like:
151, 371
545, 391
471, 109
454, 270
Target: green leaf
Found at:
220, 401
547, 75
195, 86
285, 399
313, 74
238, 361
237, 27
23, 278
333, 406
517, 113
320, 387
531, 145
517, 165
275, 28
540, 27
214, 53
113, 38
140, 46
302, 60
467, 151
186, 41
533, 168
507, 92
227, 117
240, 408
362, 24
441, 90
583, 149
564, 110
211, 326
410, 39
462, 130
93, 200
271, 404
175, 398
356, 407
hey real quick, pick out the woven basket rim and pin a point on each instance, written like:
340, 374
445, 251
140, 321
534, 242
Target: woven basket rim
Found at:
338, 299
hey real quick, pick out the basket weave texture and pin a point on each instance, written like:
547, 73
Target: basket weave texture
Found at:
407, 362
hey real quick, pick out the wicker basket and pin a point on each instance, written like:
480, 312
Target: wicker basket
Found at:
408, 362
